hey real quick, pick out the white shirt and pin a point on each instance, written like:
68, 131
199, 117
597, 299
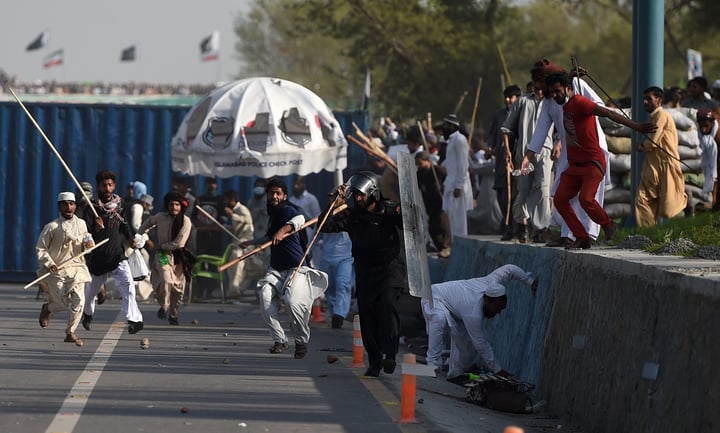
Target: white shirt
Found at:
463, 299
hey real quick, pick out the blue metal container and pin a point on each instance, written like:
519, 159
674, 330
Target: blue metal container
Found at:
131, 140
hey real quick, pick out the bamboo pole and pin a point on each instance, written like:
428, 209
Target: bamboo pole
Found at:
474, 112
504, 64
60, 266
219, 224
382, 155
62, 161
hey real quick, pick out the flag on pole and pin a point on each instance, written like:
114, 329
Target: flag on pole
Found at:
128, 54
54, 59
38, 42
695, 68
210, 47
366, 92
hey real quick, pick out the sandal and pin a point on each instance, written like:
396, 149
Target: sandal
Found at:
279, 347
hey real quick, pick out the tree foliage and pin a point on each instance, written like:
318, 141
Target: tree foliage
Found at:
424, 55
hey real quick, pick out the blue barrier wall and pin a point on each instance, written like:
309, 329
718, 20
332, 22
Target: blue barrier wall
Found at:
615, 340
131, 140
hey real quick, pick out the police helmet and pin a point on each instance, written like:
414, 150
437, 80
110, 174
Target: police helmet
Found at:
364, 182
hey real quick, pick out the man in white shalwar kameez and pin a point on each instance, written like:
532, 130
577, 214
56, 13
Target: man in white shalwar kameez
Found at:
459, 306
457, 193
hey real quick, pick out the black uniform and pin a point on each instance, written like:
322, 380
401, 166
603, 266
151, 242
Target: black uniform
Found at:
379, 274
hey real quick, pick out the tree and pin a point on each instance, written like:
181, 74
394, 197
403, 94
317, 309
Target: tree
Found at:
425, 54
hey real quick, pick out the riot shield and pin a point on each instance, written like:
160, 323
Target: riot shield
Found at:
413, 215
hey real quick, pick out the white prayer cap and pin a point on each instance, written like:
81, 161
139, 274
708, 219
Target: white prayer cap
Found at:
66, 196
495, 290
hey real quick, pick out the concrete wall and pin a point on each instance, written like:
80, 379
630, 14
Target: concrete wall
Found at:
597, 319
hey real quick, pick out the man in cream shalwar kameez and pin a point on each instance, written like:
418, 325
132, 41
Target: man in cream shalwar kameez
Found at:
173, 232
662, 186
60, 240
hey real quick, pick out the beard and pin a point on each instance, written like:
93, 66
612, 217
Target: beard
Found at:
488, 313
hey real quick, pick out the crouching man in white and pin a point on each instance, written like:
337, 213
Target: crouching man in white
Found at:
459, 307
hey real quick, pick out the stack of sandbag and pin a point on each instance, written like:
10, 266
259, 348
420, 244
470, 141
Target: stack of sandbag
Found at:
617, 196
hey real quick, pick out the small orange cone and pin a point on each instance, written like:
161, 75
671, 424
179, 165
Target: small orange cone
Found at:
358, 350
316, 313
407, 393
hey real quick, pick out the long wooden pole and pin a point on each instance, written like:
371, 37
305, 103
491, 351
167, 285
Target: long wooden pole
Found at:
379, 154
460, 101
267, 244
207, 214
54, 149
504, 64
474, 112
60, 266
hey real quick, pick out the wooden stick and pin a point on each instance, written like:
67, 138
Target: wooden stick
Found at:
87, 251
52, 147
382, 155
370, 143
474, 112
267, 244
504, 63
204, 212
314, 238
459, 104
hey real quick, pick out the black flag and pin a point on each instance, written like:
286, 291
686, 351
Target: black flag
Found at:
38, 42
128, 54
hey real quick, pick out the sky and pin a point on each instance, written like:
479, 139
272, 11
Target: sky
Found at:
93, 33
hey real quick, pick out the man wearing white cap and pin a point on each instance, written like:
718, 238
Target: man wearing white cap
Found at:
457, 194
459, 307
60, 241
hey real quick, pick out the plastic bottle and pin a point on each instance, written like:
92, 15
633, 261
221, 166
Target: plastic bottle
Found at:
163, 258
528, 170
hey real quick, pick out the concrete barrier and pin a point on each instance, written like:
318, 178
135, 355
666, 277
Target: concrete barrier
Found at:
616, 341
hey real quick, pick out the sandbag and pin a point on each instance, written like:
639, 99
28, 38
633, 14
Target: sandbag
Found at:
689, 138
694, 179
617, 195
619, 163
618, 210
619, 145
683, 117
691, 165
689, 152
693, 191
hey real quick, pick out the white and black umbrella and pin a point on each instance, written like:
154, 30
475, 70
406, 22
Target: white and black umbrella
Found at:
259, 127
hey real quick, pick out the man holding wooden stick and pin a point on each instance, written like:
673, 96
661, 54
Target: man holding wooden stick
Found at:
60, 241
286, 254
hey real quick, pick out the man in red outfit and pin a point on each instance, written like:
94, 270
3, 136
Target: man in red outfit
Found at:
585, 157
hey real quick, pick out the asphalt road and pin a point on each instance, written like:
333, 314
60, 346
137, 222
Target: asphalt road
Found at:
213, 376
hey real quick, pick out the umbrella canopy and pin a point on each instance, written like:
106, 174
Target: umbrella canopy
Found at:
259, 127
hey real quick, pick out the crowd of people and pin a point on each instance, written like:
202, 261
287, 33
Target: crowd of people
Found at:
544, 155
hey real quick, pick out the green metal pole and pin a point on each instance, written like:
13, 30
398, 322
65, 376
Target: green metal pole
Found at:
647, 70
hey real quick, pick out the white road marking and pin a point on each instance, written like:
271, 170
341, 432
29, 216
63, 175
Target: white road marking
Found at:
77, 398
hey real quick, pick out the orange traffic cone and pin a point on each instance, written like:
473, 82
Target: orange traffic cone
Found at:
316, 313
407, 393
358, 350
